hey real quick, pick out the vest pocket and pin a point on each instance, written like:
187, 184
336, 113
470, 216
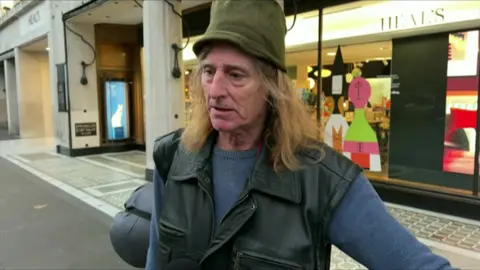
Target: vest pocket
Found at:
172, 243
164, 254
170, 231
253, 261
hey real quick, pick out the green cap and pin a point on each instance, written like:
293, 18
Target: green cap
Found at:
257, 27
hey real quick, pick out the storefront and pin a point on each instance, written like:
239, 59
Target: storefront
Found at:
118, 92
396, 92
25, 83
402, 98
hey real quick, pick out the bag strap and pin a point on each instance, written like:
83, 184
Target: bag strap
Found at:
139, 213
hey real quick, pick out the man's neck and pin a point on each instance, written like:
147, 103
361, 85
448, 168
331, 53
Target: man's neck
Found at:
239, 141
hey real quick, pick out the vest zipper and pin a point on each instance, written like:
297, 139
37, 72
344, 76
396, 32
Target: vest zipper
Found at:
211, 251
204, 179
241, 200
236, 266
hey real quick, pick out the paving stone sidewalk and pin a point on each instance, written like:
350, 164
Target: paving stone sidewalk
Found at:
112, 178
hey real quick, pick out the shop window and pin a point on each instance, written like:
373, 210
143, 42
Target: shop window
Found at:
461, 103
355, 103
302, 58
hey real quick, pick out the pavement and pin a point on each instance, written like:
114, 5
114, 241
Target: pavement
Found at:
103, 182
42, 227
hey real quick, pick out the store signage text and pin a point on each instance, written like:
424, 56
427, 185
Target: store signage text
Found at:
35, 23
34, 17
412, 20
85, 129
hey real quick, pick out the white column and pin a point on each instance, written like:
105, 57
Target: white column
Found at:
57, 55
165, 98
12, 97
3, 99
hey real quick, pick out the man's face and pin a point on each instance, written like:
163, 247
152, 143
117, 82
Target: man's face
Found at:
233, 93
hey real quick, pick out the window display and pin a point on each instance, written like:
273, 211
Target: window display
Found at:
355, 107
461, 103
361, 144
336, 126
462, 54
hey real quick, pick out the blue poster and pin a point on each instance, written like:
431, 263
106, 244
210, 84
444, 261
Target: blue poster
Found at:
116, 97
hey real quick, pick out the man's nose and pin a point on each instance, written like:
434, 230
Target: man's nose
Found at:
218, 85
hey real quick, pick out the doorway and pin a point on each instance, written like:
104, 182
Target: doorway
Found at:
120, 85
116, 109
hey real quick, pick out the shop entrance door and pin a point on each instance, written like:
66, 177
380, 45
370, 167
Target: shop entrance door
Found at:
117, 110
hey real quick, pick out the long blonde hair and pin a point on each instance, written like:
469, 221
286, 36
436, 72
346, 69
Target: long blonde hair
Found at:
290, 126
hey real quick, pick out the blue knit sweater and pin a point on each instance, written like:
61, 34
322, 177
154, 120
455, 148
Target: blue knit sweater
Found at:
361, 225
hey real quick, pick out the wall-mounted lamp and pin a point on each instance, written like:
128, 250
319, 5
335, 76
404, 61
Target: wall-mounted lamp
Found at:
48, 49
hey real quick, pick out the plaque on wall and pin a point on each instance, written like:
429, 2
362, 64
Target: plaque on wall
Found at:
85, 129
61, 88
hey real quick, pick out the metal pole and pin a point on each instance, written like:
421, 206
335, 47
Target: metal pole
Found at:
319, 63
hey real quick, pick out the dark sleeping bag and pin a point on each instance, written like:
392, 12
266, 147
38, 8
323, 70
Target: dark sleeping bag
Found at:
130, 230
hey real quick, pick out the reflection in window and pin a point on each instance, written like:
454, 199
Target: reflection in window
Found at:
461, 103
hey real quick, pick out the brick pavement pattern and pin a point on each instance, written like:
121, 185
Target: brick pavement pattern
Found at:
93, 176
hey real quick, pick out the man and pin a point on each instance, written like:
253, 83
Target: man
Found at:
247, 184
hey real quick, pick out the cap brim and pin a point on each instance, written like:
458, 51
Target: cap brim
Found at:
231, 38
234, 39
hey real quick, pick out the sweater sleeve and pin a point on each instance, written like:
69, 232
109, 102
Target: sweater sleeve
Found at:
363, 228
152, 255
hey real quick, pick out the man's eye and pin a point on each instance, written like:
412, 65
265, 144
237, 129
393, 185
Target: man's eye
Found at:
236, 76
208, 71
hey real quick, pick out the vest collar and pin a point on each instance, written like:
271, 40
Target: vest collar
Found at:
285, 185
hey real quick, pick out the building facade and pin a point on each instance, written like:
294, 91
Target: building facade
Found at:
88, 74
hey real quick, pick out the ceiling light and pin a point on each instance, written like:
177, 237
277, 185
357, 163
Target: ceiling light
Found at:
311, 82
48, 49
381, 48
326, 73
331, 54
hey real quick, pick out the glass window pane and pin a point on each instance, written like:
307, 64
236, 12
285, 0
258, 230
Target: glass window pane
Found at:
385, 105
461, 103
356, 89
302, 57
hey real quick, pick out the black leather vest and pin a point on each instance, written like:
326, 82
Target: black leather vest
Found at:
280, 222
